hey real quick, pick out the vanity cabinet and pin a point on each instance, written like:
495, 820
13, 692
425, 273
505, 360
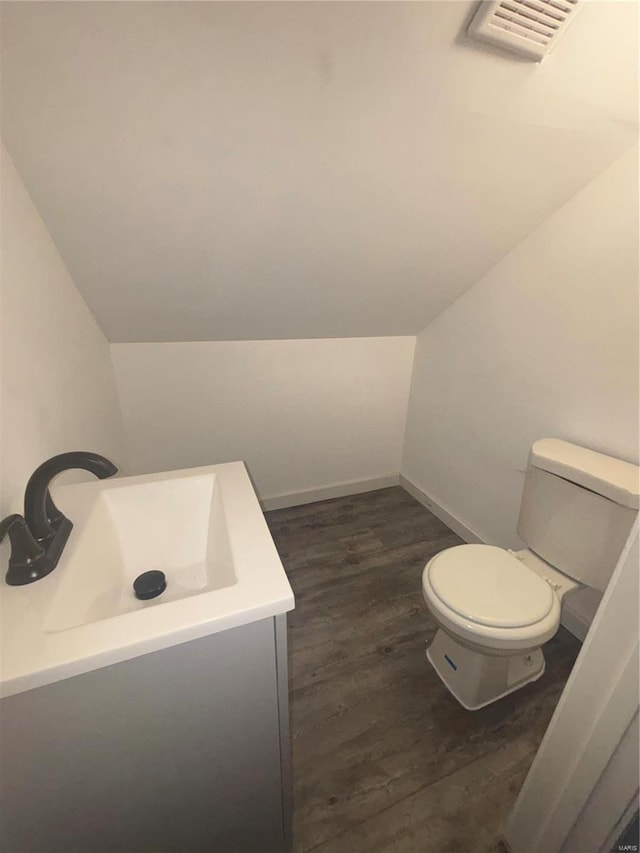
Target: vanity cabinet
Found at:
182, 750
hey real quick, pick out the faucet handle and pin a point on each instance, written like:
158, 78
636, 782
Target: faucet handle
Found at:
25, 550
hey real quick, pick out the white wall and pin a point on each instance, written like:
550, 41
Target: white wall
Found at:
544, 345
304, 414
57, 388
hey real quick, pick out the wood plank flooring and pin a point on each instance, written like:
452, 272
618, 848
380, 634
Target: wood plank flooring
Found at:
384, 759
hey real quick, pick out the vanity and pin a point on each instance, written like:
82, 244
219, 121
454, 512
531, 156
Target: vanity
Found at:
150, 726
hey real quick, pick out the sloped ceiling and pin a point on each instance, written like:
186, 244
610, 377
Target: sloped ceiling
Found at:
217, 171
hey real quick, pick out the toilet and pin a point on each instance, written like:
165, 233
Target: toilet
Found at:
496, 608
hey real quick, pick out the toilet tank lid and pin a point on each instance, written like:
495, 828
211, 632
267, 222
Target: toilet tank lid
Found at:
612, 478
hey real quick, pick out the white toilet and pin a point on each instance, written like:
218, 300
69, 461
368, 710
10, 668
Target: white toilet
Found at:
495, 608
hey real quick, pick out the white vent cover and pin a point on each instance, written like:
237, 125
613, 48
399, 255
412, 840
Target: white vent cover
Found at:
529, 27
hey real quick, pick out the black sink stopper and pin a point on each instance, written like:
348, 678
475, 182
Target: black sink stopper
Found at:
149, 585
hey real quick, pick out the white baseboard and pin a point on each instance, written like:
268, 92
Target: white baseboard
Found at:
578, 610
445, 515
575, 623
338, 490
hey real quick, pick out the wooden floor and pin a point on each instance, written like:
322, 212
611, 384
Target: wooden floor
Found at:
384, 759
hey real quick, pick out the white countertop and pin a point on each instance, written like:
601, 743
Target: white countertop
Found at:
32, 656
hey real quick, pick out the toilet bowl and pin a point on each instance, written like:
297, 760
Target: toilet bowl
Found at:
496, 608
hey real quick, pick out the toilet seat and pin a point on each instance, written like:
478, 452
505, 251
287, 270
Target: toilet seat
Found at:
490, 586
490, 598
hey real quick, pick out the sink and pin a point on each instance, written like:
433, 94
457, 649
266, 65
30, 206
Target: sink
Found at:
175, 525
203, 527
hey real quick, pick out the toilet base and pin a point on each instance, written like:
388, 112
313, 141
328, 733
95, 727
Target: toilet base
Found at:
477, 679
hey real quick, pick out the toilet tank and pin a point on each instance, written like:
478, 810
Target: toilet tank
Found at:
577, 509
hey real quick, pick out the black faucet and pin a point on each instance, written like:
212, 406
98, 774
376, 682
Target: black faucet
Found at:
43, 517
38, 539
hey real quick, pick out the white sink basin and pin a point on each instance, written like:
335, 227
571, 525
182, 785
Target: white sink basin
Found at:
202, 527
175, 525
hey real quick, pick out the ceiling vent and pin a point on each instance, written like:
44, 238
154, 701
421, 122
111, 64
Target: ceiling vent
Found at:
528, 27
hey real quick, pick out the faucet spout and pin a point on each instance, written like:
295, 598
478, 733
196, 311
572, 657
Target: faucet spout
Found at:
41, 514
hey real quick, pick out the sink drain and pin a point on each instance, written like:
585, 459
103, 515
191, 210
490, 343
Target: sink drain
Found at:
149, 585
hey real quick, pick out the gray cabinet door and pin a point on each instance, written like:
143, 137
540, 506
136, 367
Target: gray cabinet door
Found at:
173, 752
